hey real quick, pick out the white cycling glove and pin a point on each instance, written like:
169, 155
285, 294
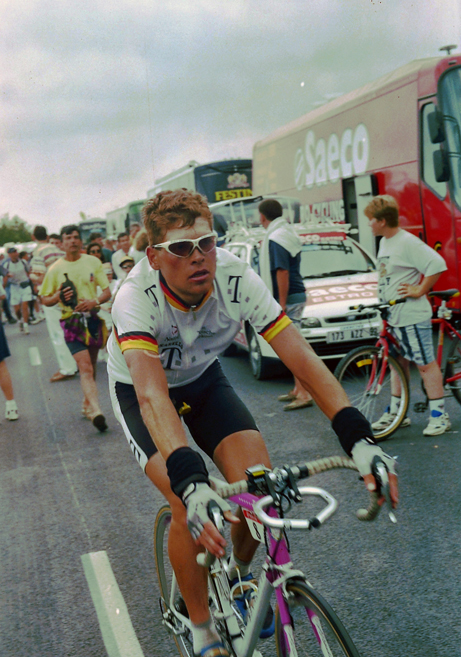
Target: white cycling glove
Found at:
197, 498
363, 453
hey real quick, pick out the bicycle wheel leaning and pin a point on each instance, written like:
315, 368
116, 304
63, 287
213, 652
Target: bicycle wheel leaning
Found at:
315, 629
359, 373
169, 591
453, 367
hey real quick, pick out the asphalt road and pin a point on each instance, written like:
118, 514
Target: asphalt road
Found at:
76, 515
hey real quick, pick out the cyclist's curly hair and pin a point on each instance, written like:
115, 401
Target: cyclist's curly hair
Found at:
384, 207
173, 209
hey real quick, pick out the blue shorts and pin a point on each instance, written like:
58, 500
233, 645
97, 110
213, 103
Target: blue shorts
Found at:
415, 342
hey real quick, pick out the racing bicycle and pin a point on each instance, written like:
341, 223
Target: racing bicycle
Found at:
365, 372
305, 624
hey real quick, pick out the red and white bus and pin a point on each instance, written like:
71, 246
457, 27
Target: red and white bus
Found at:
398, 135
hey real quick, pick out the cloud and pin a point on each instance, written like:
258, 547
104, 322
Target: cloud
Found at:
97, 98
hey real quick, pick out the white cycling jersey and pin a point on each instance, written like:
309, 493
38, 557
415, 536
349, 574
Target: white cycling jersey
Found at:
147, 315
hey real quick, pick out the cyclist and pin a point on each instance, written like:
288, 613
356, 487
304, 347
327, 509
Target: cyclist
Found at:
408, 269
176, 311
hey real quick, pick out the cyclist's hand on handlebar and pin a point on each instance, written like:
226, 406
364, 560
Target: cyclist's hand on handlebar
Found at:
365, 456
197, 502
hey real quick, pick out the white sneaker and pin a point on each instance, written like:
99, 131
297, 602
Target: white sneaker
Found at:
437, 425
11, 412
387, 419
35, 320
26, 329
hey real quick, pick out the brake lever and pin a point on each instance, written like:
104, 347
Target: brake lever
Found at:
381, 475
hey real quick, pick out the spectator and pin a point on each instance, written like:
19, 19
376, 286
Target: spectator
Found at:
138, 248
408, 268
4, 303
11, 411
280, 270
135, 227
45, 254
72, 282
35, 312
107, 253
95, 250
123, 242
126, 265
17, 275
56, 240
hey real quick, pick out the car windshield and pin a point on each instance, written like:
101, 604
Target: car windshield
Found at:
334, 258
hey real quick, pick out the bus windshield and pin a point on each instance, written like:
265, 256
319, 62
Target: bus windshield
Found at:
450, 87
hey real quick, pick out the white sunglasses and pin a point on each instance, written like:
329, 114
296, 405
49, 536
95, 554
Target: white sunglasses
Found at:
184, 248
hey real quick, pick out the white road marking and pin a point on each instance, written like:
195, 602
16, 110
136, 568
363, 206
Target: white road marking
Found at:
115, 623
34, 356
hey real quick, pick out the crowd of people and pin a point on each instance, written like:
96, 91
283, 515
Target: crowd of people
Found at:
31, 291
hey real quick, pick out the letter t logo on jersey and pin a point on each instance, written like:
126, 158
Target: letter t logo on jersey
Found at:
233, 289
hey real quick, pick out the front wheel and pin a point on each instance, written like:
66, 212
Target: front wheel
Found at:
359, 373
314, 630
170, 595
453, 368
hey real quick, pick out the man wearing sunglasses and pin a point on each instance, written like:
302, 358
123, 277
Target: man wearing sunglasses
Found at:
177, 310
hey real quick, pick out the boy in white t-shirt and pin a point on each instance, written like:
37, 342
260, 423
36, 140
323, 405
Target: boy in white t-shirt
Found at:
408, 268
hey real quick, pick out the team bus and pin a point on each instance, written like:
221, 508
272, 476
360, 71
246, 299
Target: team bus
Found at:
119, 221
88, 226
398, 135
218, 181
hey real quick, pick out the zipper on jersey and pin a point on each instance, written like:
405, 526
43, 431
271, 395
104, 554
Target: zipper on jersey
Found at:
193, 308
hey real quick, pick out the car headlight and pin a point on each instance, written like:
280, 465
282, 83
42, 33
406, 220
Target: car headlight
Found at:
310, 322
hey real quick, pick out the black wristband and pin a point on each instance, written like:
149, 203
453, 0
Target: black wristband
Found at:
185, 466
351, 426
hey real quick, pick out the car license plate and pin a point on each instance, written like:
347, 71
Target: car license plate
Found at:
349, 334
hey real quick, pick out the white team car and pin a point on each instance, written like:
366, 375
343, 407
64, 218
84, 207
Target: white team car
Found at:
337, 273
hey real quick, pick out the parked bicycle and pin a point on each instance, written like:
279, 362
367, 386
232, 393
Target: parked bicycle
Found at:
305, 624
365, 372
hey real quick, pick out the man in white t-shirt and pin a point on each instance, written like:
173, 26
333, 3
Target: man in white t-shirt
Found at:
408, 268
123, 244
177, 310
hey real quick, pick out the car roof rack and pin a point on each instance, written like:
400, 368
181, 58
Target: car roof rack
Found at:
239, 232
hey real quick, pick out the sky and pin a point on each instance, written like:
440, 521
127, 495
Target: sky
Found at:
98, 99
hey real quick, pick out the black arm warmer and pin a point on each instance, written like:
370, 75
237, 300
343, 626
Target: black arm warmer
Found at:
351, 426
185, 466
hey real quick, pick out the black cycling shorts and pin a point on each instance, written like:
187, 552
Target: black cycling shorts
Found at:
215, 413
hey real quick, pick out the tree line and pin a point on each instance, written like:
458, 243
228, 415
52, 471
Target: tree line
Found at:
14, 230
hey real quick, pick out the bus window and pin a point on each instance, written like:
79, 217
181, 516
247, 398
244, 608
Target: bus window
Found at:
450, 87
428, 149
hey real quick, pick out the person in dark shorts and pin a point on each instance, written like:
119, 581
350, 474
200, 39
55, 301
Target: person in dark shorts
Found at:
6, 384
72, 282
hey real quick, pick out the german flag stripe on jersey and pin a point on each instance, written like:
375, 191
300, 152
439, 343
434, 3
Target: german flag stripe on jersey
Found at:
271, 330
136, 340
175, 301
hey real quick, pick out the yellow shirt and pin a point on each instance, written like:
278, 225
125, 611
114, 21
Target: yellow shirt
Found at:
86, 274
